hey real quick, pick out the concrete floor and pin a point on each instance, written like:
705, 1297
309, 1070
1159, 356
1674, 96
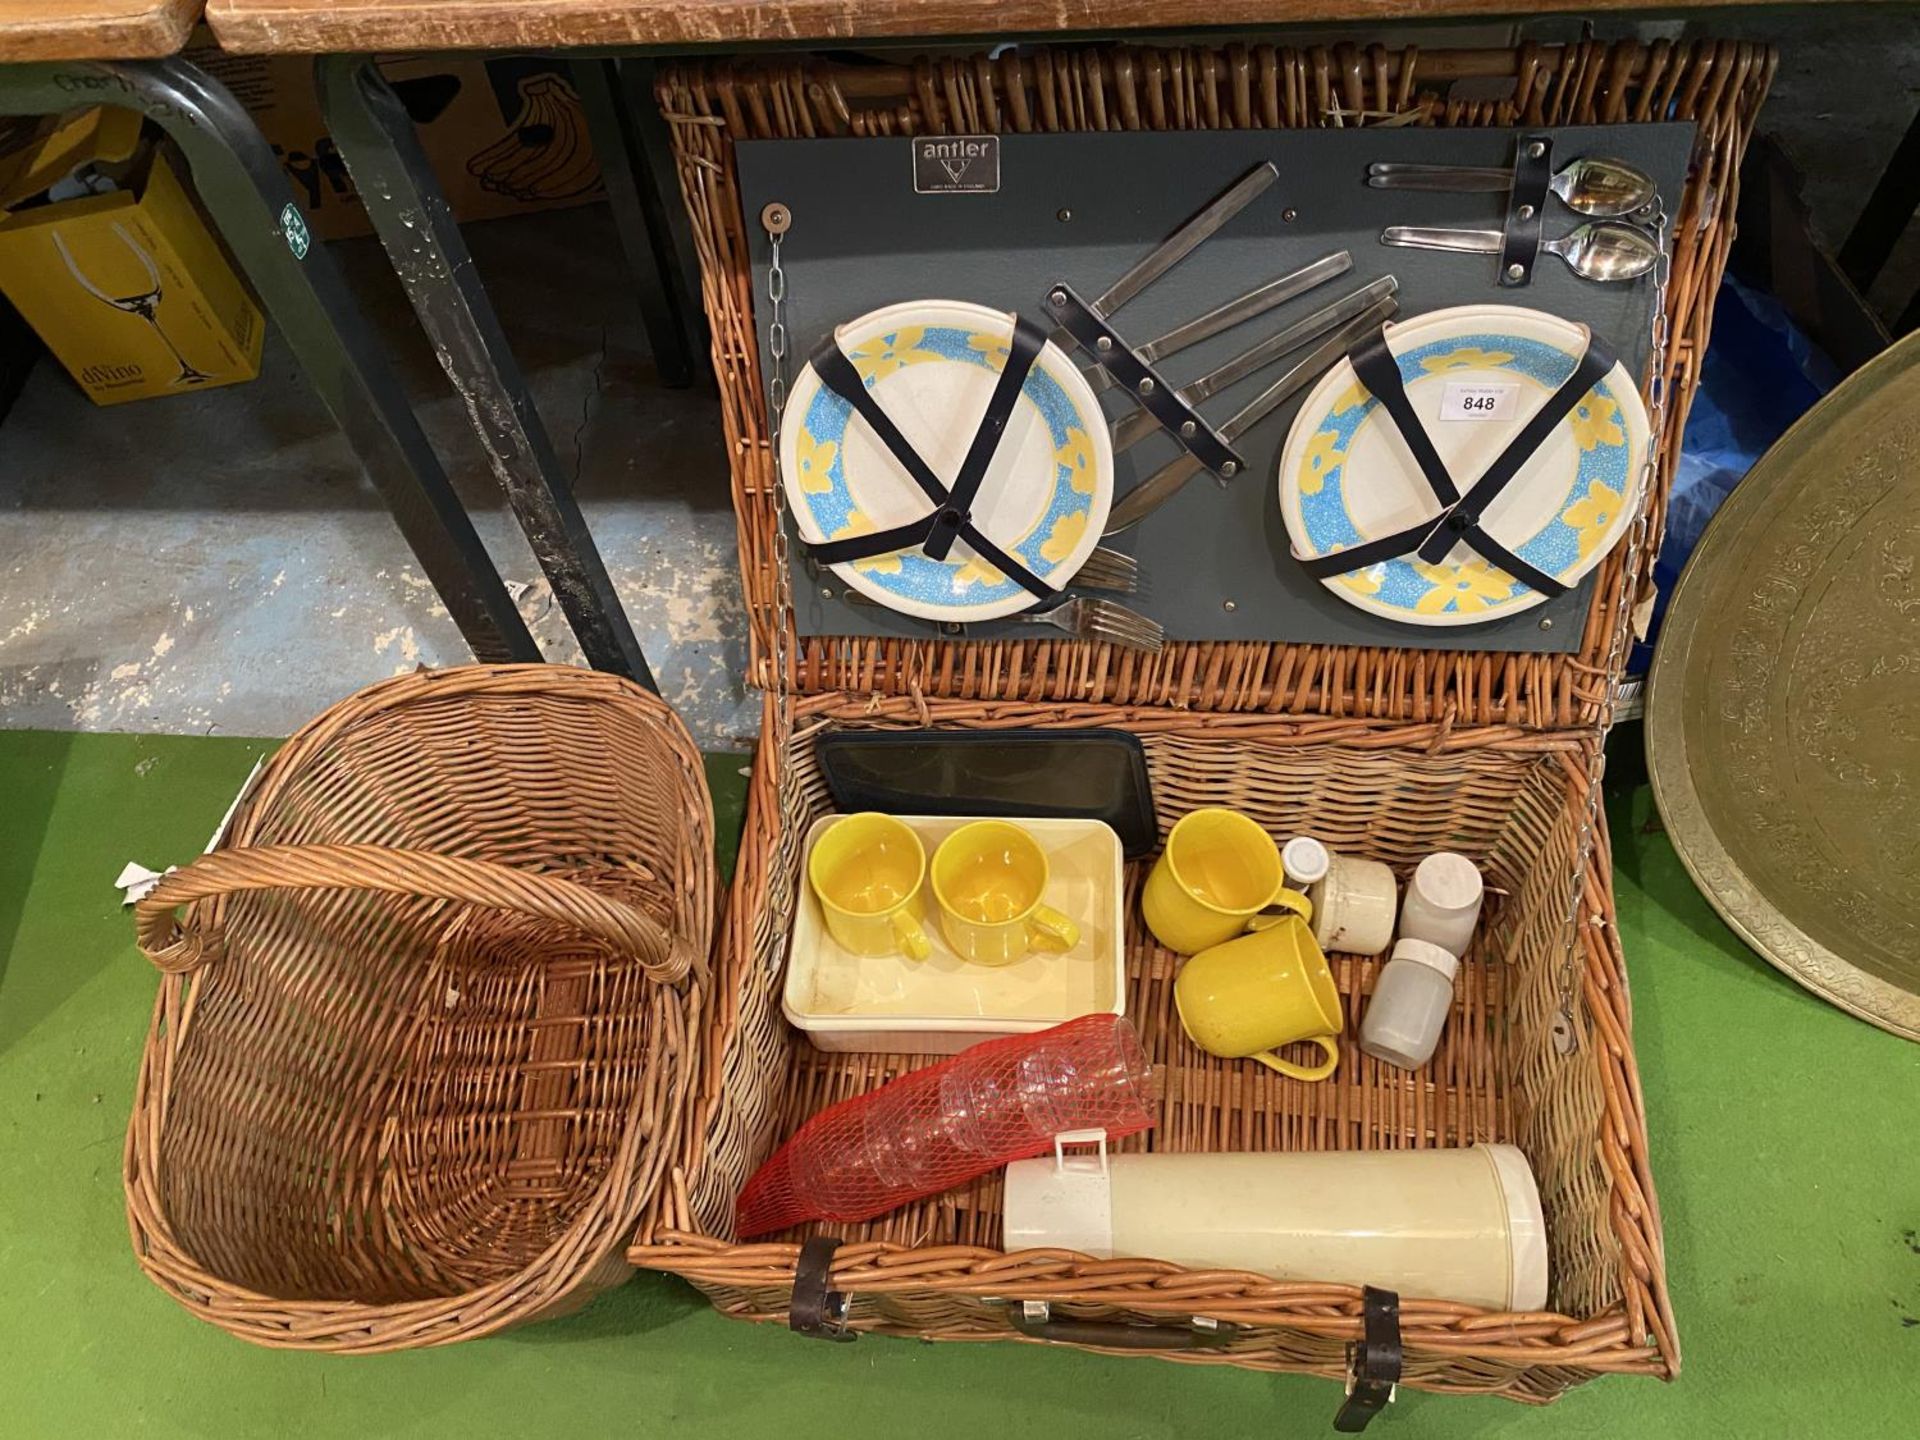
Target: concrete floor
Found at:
217, 563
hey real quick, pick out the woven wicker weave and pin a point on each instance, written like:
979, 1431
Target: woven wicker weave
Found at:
1513, 800
1384, 752
1718, 86
424, 1039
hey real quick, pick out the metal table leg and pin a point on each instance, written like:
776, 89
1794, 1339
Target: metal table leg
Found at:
241, 184
1884, 219
376, 138
635, 165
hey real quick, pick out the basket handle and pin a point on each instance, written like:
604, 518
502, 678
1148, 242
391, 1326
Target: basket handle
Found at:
394, 872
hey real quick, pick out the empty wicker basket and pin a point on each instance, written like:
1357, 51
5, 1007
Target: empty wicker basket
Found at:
427, 1026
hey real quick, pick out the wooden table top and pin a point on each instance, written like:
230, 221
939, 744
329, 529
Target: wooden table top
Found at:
94, 29
312, 26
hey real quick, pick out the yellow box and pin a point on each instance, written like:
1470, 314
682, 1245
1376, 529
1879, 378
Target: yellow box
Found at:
130, 291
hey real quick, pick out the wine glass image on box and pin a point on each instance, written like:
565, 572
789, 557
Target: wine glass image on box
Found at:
145, 303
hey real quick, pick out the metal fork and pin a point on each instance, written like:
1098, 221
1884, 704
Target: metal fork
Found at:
1108, 569
1099, 620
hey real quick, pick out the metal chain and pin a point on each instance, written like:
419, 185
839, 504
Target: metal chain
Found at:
777, 218
1566, 1037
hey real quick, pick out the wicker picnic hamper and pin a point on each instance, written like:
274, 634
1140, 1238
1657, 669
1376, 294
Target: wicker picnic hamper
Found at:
1388, 752
427, 1029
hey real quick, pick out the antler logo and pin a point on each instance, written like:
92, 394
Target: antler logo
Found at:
956, 165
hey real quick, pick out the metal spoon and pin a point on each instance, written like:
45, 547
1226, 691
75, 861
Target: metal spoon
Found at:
1598, 250
1604, 189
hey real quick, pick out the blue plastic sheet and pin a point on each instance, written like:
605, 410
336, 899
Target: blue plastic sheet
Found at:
1761, 374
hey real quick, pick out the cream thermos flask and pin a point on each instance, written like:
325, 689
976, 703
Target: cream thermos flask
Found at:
1454, 1224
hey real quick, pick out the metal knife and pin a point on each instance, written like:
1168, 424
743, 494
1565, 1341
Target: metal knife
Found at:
1161, 486
1177, 246
1241, 308
1130, 429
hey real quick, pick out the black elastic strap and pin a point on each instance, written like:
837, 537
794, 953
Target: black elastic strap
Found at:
1376, 368
951, 517
1593, 367
1492, 550
836, 372
1367, 553
1526, 205
874, 542
1373, 1366
1459, 520
1407, 542
1144, 384
1022, 350
818, 1310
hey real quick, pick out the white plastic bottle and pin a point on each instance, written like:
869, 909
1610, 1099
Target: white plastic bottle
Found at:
1306, 861
1410, 1004
1459, 1224
1442, 903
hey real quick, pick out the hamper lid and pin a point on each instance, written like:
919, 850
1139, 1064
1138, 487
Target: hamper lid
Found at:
1361, 668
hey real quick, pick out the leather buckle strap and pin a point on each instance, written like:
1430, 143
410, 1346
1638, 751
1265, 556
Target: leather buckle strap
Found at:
1373, 1365
1459, 519
817, 1310
952, 515
1145, 385
1593, 367
1526, 204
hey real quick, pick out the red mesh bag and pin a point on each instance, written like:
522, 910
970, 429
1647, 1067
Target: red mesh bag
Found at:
943, 1126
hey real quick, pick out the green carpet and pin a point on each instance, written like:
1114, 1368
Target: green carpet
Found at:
1783, 1142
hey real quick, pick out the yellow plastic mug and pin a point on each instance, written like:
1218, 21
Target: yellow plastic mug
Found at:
1218, 871
1246, 998
988, 877
867, 870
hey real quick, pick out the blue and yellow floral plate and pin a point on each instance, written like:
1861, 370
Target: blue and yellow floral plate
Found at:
1346, 477
932, 365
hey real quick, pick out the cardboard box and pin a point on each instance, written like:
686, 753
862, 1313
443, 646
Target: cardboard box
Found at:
105, 135
506, 135
129, 289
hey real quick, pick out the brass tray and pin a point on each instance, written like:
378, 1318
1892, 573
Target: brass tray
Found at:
1783, 717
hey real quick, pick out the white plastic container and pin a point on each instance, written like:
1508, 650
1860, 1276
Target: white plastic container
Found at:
1442, 903
1354, 905
1459, 1224
1410, 1004
892, 1005
1306, 861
